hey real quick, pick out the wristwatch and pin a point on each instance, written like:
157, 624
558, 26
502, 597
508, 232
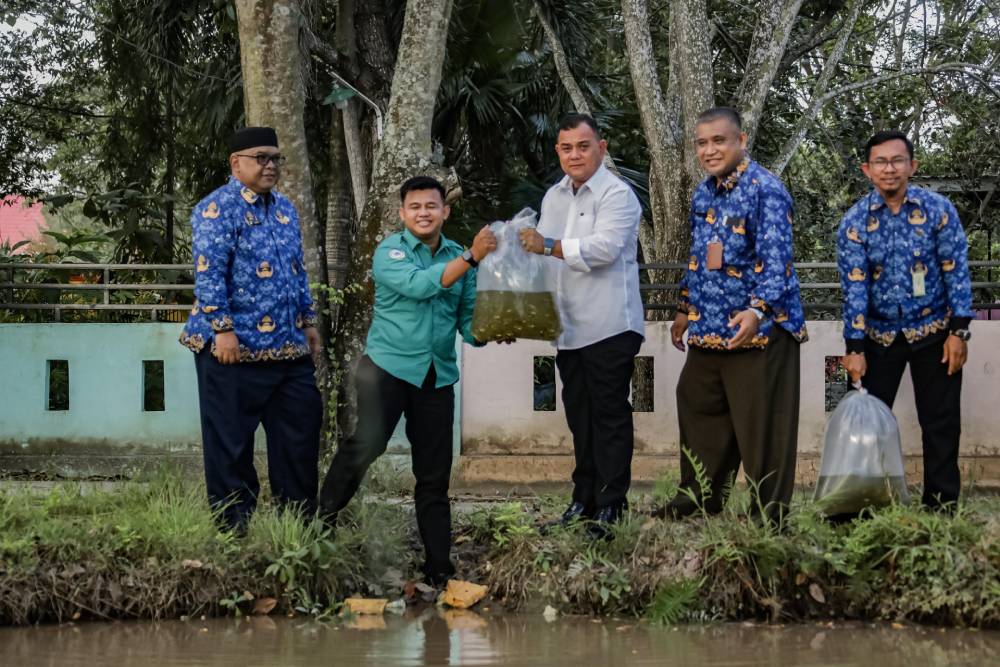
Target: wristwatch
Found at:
963, 334
467, 256
549, 245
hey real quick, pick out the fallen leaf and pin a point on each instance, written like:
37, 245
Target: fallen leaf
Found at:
463, 594
264, 606
76, 616
817, 593
462, 538
194, 564
898, 626
800, 579
366, 606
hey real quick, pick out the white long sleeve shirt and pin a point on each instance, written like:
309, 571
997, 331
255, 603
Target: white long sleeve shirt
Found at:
597, 282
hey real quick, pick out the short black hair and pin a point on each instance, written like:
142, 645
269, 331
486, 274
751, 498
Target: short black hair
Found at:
571, 121
421, 183
715, 113
887, 135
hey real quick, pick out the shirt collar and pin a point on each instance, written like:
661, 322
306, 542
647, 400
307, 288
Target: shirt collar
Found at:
412, 242
732, 179
248, 195
877, 201
597, 183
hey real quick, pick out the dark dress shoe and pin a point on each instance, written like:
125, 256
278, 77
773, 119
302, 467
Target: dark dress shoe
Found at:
575, 512
599, 528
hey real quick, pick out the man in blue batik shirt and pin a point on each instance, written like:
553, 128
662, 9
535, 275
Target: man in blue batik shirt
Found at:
738, 393
903, 263
252, 329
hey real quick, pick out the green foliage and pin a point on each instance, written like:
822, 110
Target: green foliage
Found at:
674, 601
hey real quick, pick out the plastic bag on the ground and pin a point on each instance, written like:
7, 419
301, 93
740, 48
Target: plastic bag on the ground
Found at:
862, 464
513, 297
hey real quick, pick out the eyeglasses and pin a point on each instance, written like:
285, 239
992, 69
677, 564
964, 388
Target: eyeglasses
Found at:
898, 162
263, 158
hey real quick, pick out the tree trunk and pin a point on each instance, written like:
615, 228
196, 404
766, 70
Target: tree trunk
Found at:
770, 39
405, 150
274, 96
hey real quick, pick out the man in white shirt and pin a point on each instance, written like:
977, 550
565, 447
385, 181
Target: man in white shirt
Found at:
589, 226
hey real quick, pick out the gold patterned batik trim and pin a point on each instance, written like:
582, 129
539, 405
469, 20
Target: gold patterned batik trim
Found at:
195, 343
731, 179
286, 352
222, 324
716, 342
913, 335
883, 339
800, 336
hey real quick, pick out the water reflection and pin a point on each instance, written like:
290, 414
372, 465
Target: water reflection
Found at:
439, 637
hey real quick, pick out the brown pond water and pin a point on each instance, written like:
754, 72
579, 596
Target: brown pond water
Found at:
465, 638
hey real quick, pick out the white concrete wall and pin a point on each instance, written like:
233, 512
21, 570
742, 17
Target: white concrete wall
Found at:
498, 415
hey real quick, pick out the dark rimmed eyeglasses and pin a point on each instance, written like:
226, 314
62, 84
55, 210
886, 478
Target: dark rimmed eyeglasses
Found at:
264, 158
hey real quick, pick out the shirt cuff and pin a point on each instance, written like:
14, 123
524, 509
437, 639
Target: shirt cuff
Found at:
571, 255
957, 323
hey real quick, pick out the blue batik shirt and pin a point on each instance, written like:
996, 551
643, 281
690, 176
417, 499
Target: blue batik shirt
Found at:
750, 213
249, 274
878, 253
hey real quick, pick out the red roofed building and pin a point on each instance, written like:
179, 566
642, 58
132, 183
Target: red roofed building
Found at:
19, 222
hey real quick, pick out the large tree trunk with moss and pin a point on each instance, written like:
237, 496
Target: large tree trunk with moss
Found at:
274, 94
405, 150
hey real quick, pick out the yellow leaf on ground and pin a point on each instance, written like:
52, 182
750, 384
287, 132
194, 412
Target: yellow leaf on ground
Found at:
366, 606
463, 594
191, 563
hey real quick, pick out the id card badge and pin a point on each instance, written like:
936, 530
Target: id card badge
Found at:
713, 255
917, 273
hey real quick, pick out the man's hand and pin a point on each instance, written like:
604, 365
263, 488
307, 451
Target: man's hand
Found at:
748, 323
484, 243
227, 348
313, 340
677, 330
956, 352
532, 241
855, 365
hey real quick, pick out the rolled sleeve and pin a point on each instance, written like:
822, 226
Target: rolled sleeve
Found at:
213, 244
617, 221
572, 255
404, 276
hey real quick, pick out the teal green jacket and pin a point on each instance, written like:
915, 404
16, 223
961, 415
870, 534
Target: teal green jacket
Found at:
415, 318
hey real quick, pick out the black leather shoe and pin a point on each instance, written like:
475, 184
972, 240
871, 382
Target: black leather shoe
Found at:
575, 512
599, 528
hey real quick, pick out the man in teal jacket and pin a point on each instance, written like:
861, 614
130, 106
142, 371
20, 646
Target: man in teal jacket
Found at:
425, 291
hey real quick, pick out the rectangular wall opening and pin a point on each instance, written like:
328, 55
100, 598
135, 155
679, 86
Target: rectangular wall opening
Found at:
57, 385
836, 383
544, 384
152, 386
642, 385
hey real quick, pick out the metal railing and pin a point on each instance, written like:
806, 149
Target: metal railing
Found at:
819, 296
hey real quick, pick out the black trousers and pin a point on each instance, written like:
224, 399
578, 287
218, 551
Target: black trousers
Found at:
938, 397
430, 414
740, 407
596, 381
234, 400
